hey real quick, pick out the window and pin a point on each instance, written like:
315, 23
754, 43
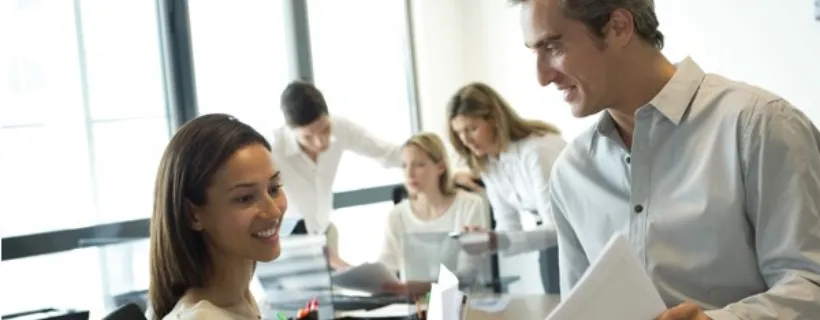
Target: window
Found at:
83, 122
32, 283
83, 119
240, 60
360, 50
356, 246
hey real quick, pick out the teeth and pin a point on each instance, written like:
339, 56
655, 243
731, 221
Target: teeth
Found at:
266, 233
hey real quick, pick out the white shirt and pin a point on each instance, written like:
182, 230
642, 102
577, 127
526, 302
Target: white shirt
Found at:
203, 310
719, 196
467, 209
517, 183
308, 184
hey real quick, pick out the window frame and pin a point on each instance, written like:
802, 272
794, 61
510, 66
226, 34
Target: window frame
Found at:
179, 78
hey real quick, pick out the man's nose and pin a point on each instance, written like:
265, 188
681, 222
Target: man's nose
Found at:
546, 73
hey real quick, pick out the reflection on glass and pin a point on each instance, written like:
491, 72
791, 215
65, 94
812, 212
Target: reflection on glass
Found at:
298, 277
424, 253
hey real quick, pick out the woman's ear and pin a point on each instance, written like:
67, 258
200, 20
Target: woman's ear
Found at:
194, 214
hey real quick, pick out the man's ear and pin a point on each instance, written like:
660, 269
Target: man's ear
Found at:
621, 28
194, 214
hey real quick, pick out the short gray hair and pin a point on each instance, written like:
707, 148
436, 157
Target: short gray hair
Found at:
596, 13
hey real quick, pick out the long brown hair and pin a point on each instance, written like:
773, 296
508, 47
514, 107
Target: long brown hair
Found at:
478, 100
433, 147
178, 255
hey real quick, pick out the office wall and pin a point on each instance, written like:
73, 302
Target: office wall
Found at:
773, 44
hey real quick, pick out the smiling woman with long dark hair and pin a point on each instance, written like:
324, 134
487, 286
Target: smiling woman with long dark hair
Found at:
217, 210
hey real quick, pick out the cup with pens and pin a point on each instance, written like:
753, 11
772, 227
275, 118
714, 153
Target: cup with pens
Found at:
309, 312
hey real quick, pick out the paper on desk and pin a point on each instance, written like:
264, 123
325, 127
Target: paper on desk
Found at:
490, 304
445, 298
614, 287
397, 310
368, 277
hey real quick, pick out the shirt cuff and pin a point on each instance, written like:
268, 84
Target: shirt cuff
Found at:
721, 315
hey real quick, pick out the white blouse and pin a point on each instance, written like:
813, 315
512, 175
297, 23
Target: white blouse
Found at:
518, 183
467, 209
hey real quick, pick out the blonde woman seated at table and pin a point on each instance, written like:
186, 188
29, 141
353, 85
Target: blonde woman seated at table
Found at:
434, 205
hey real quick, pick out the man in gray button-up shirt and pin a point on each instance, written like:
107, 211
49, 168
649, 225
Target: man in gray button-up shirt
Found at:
715, 183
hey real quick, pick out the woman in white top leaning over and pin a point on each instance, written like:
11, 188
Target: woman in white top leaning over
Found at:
434, 205
513, 157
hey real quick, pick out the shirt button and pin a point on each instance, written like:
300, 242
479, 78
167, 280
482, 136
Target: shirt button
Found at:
638, 208
628, 159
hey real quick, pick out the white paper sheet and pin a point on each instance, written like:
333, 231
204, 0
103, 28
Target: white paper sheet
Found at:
398, 310
367, 277
490, 304
614, 287
445, 298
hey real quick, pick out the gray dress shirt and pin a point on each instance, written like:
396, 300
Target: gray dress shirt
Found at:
719, 196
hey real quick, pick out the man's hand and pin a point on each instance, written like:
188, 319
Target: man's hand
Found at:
467, 179
684, 311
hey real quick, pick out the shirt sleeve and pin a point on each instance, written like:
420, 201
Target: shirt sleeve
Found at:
781, 164
391, 248
506, 216
572, 260
357, 139
539, 159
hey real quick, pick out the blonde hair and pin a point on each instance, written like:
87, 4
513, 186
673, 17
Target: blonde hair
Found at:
478, 100
433, 147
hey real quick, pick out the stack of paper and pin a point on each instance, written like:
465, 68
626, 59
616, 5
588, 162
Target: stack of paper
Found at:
368, 277
614, 287
445, 298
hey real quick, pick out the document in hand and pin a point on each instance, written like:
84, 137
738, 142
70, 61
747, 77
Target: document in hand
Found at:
445, 298
368, 277
614, 287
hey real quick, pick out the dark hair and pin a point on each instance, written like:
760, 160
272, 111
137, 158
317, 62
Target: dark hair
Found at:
302, 103
595, 14
178, 255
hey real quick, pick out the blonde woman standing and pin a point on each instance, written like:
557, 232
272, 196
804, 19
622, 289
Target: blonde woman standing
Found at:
514, 157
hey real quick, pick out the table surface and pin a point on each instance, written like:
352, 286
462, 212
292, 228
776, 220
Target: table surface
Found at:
519, 307
535, 307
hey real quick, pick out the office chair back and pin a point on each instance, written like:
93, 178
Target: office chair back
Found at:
126, 312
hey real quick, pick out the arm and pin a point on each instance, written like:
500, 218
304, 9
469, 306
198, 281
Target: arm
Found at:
539, 162
476, 214
506, 216
391, 249
572, 260
357, 139
781, 163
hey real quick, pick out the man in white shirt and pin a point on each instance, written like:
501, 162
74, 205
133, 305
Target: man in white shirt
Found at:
715, 183
308, 150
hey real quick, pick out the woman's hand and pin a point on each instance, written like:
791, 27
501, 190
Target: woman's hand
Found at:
467, 180
478, 240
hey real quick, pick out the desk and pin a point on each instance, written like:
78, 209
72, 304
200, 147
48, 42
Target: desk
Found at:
529, 307
520, 307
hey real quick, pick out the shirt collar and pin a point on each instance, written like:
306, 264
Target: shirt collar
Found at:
676, 96
672, 101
